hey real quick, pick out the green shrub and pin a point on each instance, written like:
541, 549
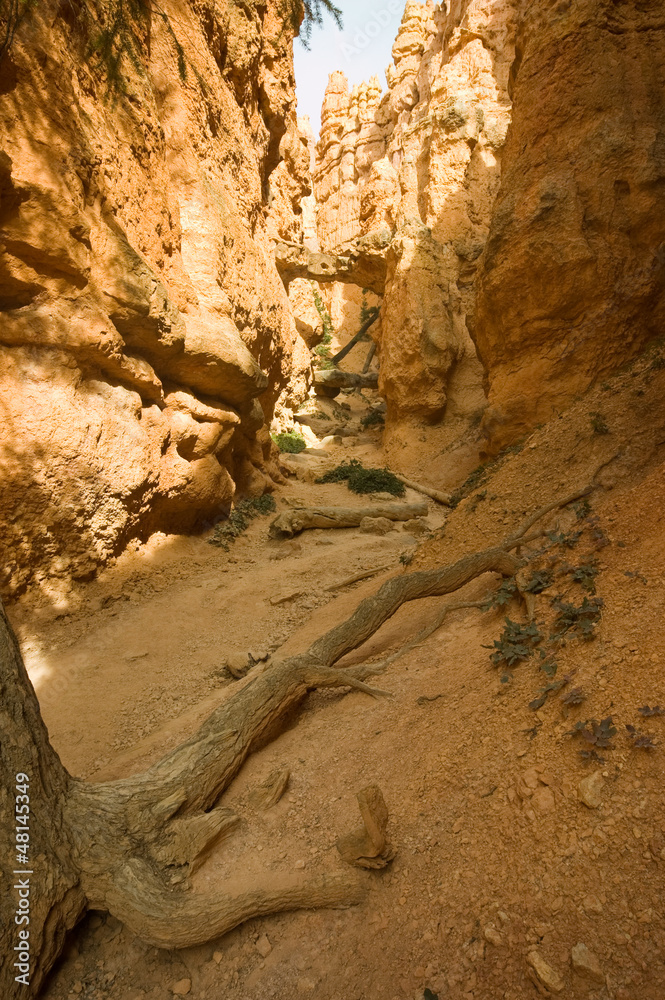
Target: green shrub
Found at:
598, 424
373, 418
239, 518
290, 441
517, 643
362, 480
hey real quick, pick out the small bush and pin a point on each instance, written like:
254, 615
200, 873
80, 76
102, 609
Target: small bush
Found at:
585, 575
239, 518
362, 480
373, 418
517, 643
580, 621
598, 424
290, 441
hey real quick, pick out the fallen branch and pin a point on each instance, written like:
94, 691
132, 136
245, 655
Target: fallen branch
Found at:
292, 522
129, 846
428, 491
355, 577
370, 356
357, 337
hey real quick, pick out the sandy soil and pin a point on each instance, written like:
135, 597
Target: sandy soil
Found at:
502, 870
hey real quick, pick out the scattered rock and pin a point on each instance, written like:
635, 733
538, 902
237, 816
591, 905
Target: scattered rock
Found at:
237, 664
270, 791
492, 935
182, 987
259, 655
586, 964
416, 527
331, 439
544, 973
284, 598
263, 946
217, 957
589, 790
376, 525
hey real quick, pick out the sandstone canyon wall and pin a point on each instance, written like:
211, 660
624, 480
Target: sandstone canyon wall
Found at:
145, 334
514, 174
572, 280
418, 168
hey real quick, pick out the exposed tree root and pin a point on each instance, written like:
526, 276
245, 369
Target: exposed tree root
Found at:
129, 845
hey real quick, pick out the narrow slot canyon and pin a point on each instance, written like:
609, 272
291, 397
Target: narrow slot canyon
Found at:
331, 492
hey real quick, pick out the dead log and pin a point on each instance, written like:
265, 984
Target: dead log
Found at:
428, 491
292, 522
334, 378
357, 337
129, 846
370, 356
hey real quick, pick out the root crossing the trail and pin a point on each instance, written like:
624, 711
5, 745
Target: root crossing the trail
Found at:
130, 845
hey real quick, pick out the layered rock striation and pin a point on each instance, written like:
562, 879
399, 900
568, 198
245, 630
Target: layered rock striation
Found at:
572, 281
516, 165
145, 334
421, 164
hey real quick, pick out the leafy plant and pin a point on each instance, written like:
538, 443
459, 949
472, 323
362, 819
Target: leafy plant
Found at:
362, 480
373, 419
569, 540
573, 697
548, 665
641, 740
585, 575
239, 518
517, 643
599, 734
539, 581
290, 441
598, 424
582, 508
502, 596
647, 712
592, 755
580, 621
303, 15
366, 311
326, 318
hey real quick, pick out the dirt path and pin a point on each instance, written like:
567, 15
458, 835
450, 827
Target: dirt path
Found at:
503, 870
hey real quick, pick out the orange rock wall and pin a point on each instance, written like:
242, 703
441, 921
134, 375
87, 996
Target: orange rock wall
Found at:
422, 162
572, 281
145, 335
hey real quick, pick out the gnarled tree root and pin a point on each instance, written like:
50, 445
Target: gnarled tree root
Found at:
129, 845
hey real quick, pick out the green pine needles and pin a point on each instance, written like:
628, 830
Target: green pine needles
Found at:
304, 15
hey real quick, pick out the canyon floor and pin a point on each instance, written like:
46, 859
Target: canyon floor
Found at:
519, 838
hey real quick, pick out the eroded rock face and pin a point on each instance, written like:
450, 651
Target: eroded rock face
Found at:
422, 162
572, 283
145, 334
